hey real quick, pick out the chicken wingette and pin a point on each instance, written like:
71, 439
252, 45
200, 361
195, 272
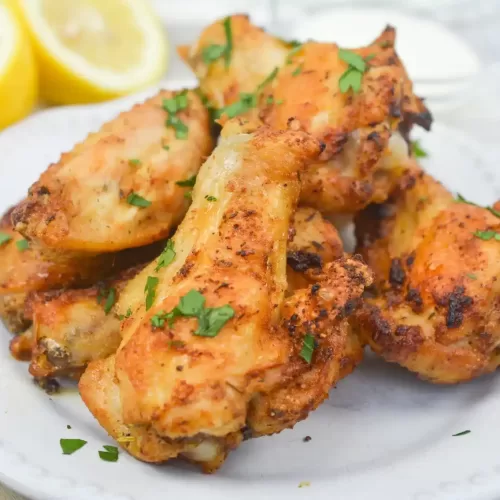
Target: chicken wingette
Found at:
307, 87
73, 327
215, 344
436, 259
125, 185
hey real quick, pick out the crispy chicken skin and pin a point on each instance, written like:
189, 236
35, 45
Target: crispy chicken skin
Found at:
73, 327
168, 392
437, 304
83, 202
12, 312
33, 268
365, 153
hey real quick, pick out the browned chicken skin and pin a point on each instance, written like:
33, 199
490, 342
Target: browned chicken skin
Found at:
231, 248
437, 304
297, 87
118, 189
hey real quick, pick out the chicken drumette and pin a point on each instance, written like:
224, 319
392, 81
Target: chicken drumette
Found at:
216, 351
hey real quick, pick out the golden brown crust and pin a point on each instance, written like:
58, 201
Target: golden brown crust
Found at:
12, 312
80, 203
364, 150
437, 306
71, 327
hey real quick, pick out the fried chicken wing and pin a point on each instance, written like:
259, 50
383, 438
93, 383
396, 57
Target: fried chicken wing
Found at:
437, 305
12, 312
217, 340
73, 327
363, 132
118, 189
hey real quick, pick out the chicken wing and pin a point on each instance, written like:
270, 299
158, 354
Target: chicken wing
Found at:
12, 312
436, 309
215, 340
119, 188
363, 131
73, 327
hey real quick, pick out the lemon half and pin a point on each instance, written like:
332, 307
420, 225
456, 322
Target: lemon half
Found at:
92, 50
18, 78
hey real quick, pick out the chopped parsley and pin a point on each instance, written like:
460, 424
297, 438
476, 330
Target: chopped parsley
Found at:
68, 426
166, 147
110, 300
190, 182
69, 446
385, 44
110, 455
192, 305
471, 276
296, 47
212, 52
461, 199
167, 256
4, 238
229, 41
268, 80
127, 315
172, 106
463, 433
22, 245
188, 195
303, 484
487, 235
417, 150
209, 197
308, 346
137, 200
297, 70
353, 75
150, 291
135, 162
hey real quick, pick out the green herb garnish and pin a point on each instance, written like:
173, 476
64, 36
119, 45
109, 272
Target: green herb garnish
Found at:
110, 455
461, 199
22, 245
121, 317
110, 300
487, 235
150, 290
353, 75
166, 147
181, 129
267, 80
417, 150
212, 52
461, 433
229, 41
190, 182
192, 305
137, 201
172, 106
297, 70
245, 103
188, 195
69, 446
135, 162
167, 256
471, 276
308, 346
4, 238
209, 197
296, 47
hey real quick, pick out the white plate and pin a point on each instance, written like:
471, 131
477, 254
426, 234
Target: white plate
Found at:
383, 434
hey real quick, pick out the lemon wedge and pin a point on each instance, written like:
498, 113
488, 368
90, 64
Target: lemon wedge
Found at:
18, 77
92, 50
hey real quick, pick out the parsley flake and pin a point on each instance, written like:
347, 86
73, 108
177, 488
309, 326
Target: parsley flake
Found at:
172, 106
353, 75
166, 147
110, 455
190, 182
267, 80
137, 200
4, 238
167, 256
352, 59
297, 70
461, 199
229, 41
150, 290
463, 433
209, 197
471, 276
417, 150
487, 235
188, 195
110, 300
22, 245
296, 47
181, 129
69, 446
135, 162
244, 104
127, 315
212, 52
308, 346
303, 484
192, 305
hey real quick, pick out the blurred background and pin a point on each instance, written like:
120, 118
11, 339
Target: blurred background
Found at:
451, 48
